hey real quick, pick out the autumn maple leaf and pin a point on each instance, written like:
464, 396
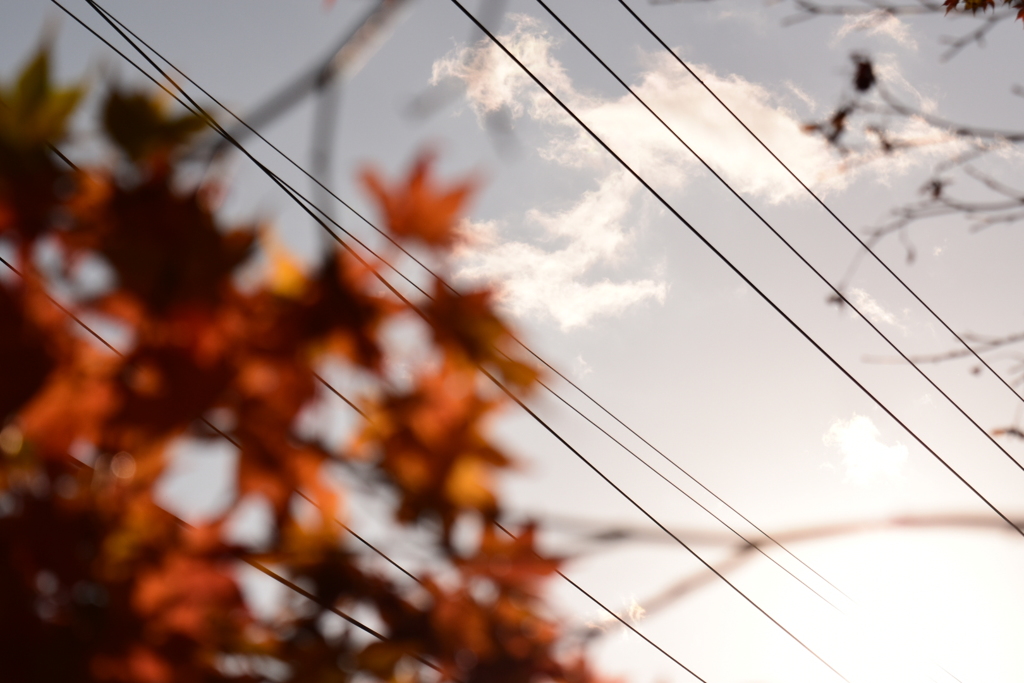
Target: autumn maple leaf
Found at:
419, 208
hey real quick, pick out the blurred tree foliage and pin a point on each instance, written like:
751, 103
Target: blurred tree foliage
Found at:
97, 581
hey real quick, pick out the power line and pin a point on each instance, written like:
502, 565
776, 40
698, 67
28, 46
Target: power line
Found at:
81, 323
248, 126
681, 469
582, 590
615, 615
294, 195
735, 269
746, 204
823, 205
197, 110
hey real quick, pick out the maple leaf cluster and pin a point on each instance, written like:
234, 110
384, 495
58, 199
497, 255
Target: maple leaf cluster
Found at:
98, 582
973, 6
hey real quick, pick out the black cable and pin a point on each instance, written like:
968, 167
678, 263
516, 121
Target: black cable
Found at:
737, 271
444, 282
365, 542
823, 205
235, 443
683, 470
66, 311
197, 110
295, 197
337, 393
205, 420
449, 286
362, 540
740, 274
302, 201
573, 584
245, 124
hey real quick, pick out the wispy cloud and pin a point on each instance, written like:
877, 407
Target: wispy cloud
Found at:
551, 280
582, 367
493, 83
877, 23
809, 101
874, 311
554, 276
866, 459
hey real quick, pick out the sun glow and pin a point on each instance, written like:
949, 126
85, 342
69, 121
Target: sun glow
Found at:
924, 606
866, 458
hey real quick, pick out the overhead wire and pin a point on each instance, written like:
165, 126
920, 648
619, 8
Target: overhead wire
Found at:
206, 422
195, 109
739, 273
245, 124
796, 326
658, 523
615, 615
864, 245
295, 196
751, 544
835, 289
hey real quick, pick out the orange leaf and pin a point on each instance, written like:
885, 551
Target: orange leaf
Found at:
420, 209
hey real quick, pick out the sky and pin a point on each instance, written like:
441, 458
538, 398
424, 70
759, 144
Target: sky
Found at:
609, 286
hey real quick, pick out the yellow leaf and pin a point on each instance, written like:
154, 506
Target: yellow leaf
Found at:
469, 484
286, 278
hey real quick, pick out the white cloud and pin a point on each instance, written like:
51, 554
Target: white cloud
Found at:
887, 69
801, 95
550, 282
582, 368
554, 278
636, 611
866, 459
556, 281
877, 23
874, 311
493, 82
